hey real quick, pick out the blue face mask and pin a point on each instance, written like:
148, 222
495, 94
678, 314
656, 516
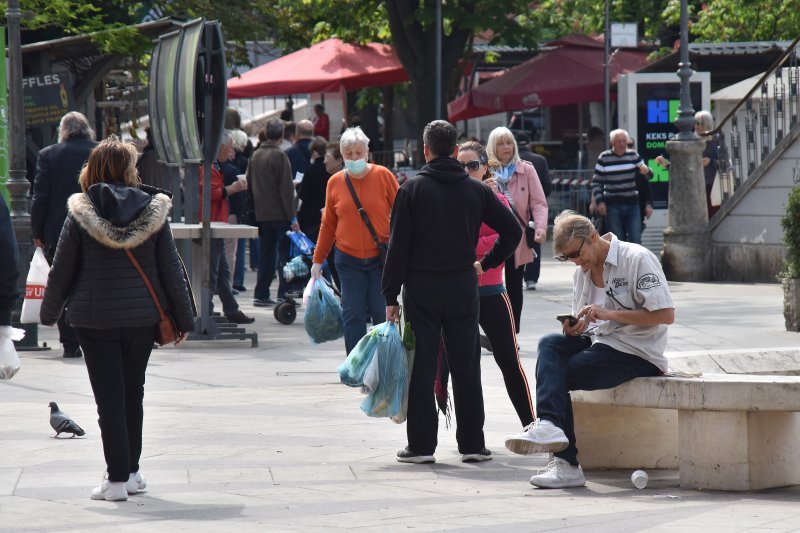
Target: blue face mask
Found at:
356, 166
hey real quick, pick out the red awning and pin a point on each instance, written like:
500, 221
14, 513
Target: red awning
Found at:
325, 67
570, 73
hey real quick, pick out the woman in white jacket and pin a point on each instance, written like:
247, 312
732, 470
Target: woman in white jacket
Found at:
517, 179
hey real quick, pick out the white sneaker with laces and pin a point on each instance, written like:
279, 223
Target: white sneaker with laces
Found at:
111, 491
136, 483
559, 474
538, 437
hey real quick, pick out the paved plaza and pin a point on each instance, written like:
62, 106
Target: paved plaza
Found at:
267, 439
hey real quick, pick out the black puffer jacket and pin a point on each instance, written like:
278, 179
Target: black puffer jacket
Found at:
92, 275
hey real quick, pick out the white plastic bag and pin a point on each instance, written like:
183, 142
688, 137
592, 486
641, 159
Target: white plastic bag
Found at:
34, 288
9, 362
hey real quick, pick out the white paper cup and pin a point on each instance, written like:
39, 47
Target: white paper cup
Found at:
242, 177
639, 479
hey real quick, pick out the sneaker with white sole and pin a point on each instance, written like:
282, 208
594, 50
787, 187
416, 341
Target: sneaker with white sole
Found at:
538, 437
407, 456
111, 491
477, 457
559, 474
136, 483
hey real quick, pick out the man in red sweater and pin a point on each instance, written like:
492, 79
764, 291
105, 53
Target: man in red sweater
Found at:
220, 280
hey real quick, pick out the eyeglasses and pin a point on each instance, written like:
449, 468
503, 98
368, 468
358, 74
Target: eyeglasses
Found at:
573, 255
473, 165
610, 294
630, 145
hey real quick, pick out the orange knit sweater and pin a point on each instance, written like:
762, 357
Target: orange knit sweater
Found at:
341, 221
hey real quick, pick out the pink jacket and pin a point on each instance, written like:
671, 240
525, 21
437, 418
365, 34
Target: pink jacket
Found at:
528, 196
486, 240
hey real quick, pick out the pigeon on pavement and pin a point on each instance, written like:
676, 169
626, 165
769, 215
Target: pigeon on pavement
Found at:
62, 423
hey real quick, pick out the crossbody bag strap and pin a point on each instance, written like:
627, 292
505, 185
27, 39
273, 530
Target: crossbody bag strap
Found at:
361, 210
507, 193
161, 315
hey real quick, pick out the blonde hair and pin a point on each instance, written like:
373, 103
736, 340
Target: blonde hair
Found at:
111, 160
498, 134
570, 225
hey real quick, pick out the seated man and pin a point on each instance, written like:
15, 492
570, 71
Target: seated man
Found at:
621, 307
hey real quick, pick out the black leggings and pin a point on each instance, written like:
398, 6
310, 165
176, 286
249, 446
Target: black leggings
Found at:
497, 322
116, 359
514, 288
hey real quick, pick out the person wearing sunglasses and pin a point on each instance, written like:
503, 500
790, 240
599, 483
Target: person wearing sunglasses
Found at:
518, 180
623, 306
496, 316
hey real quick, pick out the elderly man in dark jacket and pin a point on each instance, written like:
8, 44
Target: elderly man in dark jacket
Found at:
269, 184
9, 291
57, 170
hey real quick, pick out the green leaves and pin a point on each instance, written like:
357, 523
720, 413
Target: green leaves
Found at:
791, 235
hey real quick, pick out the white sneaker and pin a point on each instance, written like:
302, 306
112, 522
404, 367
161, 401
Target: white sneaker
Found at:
530, 285
111, 491
559, 474
539, 437
136, 483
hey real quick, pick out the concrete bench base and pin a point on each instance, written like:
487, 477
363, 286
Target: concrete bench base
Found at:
684, 423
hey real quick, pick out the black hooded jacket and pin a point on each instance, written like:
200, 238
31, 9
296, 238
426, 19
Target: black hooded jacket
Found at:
436, 221
92, 275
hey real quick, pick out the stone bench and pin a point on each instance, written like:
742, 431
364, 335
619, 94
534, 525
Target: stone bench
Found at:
722, 431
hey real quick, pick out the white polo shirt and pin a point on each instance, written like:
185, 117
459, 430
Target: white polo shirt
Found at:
633, 279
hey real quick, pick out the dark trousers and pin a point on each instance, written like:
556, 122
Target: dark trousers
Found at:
238, 268
567, 363
514, 288
532, 270
497, 321
66, 335
274, 244
445, 305
220, 277
116, 360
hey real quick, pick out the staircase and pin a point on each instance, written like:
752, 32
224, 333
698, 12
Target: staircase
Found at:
759, 165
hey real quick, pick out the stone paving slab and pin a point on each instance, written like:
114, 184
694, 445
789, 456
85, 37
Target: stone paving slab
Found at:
266, 439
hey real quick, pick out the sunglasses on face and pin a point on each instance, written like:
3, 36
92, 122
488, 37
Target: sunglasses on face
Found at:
573, 255
473, 165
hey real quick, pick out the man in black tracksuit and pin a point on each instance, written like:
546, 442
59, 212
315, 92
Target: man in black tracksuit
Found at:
435, 224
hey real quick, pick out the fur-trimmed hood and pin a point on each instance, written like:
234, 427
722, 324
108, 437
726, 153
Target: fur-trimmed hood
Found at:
118, 216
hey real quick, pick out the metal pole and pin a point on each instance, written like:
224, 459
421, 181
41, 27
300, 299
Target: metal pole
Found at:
17, 184
438, 60
685, 122
606, 78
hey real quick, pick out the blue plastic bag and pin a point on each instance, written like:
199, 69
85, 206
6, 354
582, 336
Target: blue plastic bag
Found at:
352, 370
323, 319
387, 399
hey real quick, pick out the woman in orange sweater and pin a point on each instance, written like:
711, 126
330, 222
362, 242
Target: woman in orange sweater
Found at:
357, 257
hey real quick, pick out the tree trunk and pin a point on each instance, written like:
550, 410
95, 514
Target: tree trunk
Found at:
415, 45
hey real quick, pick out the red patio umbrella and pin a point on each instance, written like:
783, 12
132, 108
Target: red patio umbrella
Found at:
328, 66
569, 73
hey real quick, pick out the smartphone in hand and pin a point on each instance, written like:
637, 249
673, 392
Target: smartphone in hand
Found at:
569, 319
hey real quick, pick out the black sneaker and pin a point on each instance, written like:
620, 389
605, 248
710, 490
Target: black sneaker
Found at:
71, 352
240, 318
478, 457
240, 288
407, 456
268, 302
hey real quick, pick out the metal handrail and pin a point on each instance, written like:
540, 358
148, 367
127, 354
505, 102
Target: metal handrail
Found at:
775, 65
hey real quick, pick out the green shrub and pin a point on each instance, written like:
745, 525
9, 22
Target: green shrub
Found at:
791, 235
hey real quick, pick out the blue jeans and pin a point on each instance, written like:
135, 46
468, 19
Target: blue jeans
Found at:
274, 243
238, 269
361, 295
568, 363
624, 221
255, 253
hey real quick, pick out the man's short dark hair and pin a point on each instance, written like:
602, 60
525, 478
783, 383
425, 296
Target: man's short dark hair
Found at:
289, 130
440, 137
274, 130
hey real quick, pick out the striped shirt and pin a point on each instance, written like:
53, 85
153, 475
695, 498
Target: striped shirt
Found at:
615, 177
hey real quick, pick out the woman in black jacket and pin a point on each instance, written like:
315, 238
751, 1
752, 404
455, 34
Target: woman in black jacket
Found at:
108, 303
